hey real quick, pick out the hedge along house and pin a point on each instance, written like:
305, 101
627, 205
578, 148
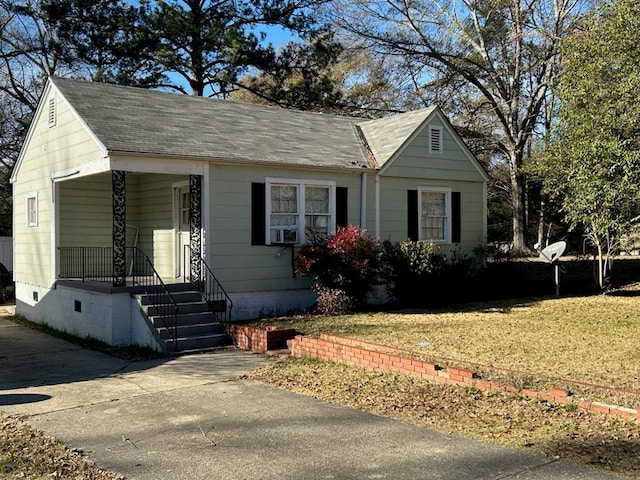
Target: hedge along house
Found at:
142, 217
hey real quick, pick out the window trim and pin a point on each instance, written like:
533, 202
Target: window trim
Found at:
301, 184
448, 214
440, 143
29, 221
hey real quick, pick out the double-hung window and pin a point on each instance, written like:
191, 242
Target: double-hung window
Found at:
32, 210
297, 209
435, 214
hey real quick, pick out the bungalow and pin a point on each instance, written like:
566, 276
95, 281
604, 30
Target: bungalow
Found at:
140, 214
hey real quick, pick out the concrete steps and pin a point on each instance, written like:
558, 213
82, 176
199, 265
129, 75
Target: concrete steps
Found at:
198, 326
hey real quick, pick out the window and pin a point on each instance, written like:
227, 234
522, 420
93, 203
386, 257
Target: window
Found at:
435, 140
32, 210
435, 214
297, 209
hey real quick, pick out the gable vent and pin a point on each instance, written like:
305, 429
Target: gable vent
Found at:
435, 140
52, 112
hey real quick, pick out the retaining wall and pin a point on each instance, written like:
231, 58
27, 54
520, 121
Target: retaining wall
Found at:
378, 357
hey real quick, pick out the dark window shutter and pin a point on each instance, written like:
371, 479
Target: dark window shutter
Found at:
412, 215
258, 213
456, 224
342, 216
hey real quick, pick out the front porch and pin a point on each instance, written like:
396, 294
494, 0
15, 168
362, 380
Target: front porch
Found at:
107, 213
139, 235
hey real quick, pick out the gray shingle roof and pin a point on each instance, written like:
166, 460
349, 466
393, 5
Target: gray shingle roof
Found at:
386, 135
135, 120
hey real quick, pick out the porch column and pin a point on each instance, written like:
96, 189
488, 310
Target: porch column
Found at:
119, 241
195, 234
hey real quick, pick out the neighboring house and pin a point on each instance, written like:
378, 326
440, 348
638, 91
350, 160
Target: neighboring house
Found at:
120, 193
6, 252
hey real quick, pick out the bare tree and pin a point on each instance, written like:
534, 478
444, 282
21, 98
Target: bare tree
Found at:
491, 61
28, 55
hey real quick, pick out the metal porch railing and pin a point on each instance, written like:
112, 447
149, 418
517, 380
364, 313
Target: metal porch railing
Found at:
96, 264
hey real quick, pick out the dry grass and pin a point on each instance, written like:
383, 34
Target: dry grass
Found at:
544, 342
590, 339
556, 431
26, 453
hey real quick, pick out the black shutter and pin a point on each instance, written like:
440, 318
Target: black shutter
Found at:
456, 224
258, 213
412, 215
342, 216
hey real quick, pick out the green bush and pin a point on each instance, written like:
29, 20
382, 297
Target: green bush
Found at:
419, 274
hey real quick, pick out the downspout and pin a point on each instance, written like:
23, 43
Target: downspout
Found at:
363, 201
377, 205
485, 214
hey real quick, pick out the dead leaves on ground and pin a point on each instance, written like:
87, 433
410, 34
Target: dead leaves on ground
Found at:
26, 453
557, 431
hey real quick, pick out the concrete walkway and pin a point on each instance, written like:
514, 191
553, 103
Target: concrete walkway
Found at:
192, 418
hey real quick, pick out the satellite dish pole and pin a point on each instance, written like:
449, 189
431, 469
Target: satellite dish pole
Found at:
551, 254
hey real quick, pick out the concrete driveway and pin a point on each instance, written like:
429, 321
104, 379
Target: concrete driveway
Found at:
192, 418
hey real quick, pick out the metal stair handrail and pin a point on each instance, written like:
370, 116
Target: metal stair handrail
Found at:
208, 285
142, 271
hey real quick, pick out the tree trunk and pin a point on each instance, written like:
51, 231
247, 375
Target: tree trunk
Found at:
601, 265
519, 214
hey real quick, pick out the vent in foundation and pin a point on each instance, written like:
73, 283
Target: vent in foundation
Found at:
77, 305
35, 296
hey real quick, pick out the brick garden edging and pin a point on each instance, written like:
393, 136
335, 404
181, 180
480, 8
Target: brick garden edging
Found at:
377, 357
260, 339
372, 356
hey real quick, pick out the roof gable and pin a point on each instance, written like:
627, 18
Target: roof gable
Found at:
46, 116
408, 126
386, 136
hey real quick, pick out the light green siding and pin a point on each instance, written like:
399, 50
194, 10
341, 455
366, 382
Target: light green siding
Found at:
415, 167
393, 209
152, 214
239, 265
84, 205
48, 150
86, 215
415, 160
85, 211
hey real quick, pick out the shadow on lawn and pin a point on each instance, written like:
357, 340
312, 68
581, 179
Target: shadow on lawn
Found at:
619, 455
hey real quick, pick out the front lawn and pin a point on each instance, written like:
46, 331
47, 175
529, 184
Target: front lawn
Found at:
574, 343
592, 339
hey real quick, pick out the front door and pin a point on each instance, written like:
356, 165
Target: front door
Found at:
182, 222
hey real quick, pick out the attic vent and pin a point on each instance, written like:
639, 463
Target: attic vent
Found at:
435, 140
52, 112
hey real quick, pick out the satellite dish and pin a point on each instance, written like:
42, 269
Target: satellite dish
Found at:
553, 252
